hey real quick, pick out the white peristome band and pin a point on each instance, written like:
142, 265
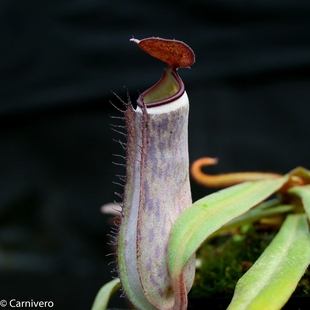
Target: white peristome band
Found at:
167, 107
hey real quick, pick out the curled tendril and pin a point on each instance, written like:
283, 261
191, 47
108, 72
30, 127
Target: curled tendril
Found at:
226, 179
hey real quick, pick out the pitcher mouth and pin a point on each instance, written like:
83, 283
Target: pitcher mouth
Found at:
169, 88
176, 54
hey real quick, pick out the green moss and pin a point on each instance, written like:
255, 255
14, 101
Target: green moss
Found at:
223, 260
303, 287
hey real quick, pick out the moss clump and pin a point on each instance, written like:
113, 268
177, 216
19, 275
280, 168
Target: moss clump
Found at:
223, 261
303, 288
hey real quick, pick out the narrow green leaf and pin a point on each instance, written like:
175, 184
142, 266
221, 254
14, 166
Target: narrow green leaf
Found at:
209, 214
301, 172
269, 283
304, 193
256, 214
105, 293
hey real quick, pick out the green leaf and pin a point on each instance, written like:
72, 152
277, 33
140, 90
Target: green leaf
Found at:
269, 283
209, 214
256, 214
304, 193
301, 172
105, 293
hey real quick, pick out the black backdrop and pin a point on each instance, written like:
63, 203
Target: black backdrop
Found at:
249, 91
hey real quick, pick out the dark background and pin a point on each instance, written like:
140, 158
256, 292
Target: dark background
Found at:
249, 91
